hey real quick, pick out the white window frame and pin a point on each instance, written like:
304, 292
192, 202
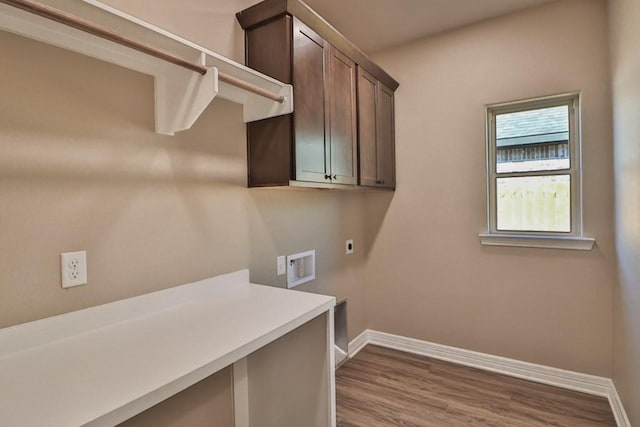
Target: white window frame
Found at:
538, 239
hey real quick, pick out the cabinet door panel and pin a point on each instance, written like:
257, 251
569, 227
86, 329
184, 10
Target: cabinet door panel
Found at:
343, 121
367, 129
386, 137
311, 142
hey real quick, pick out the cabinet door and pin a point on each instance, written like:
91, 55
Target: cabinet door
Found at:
386, 138
368, 128
312, 151
343, 120
376, 132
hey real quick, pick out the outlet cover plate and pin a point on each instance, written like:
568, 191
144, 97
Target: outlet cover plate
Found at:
281, 264
73, 266
301, 268
348, 249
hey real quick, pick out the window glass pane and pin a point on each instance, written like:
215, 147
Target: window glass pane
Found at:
533, 140
534, 203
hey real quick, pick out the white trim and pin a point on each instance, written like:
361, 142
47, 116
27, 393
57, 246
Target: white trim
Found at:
358, 343
573, 101
616, 406
539, 241
241, 393
331, 365
585, 383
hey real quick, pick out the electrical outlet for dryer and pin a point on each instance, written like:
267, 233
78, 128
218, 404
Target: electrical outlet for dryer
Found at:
348, 247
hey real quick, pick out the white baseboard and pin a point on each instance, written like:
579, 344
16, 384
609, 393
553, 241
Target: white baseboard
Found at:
585, 383
358, 343
617, 408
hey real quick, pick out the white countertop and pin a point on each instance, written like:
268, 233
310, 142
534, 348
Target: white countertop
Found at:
102, 365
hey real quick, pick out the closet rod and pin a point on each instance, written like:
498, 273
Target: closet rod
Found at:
70, 20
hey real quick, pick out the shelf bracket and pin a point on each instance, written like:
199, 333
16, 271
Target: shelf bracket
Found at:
181, 96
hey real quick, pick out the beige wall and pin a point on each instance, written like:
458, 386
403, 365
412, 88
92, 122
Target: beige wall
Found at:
624, 18
289, 221
427, 275
82, 169
207, 403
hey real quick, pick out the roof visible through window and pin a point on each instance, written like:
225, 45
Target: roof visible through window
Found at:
543, 125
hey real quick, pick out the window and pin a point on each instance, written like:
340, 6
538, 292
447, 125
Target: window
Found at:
534, 174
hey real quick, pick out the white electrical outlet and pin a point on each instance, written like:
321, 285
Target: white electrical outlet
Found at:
281, 263
74, 269
348, 246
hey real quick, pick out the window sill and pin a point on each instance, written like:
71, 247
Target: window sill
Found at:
548, 242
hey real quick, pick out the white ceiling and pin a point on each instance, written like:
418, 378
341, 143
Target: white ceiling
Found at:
373, 25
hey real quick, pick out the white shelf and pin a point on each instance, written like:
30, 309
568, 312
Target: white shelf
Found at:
181, 95
103, 365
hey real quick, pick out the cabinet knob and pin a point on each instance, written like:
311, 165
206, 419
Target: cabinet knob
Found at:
335, 176
379, 182
327, 176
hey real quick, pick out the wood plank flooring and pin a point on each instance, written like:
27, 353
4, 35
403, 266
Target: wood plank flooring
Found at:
383, 387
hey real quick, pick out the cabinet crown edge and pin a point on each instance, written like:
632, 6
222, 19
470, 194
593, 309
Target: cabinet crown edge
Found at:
270, 9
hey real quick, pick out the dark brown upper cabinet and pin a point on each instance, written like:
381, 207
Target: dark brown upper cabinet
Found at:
376, 132
322, 144
343, 120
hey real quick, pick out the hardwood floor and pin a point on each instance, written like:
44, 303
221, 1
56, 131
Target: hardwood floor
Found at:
383, 387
